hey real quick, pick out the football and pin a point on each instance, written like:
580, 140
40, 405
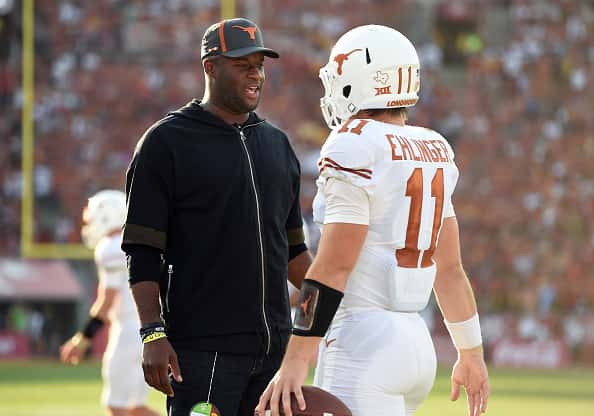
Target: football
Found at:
319, 403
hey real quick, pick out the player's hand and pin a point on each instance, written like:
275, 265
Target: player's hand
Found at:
73, 350
289, 379
470, 371
157, 358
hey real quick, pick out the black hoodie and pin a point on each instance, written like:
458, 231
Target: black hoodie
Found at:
222, 204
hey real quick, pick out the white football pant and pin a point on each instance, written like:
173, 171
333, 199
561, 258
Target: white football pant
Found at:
377, 362
123, 379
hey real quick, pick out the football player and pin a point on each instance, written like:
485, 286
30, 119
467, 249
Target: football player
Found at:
124, 389
389, 238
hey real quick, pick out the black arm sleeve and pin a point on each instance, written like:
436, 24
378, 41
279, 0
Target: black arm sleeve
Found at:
144, 263
294, 251
294, 224
149, 190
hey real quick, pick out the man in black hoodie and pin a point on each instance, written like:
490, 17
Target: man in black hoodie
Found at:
213, 231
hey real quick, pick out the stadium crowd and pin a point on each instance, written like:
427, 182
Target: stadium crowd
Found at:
513, 91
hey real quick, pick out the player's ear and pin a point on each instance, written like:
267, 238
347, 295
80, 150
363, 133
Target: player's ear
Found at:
209, 66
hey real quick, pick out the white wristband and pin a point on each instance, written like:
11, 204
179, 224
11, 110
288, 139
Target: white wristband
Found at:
465, 334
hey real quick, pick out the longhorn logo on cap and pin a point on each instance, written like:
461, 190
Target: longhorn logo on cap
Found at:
251, 30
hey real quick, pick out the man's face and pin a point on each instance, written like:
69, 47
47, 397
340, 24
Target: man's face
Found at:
239, 82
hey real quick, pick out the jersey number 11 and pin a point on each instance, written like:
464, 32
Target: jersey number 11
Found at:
409, 255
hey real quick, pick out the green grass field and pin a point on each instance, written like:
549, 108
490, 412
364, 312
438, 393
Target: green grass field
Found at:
49, 389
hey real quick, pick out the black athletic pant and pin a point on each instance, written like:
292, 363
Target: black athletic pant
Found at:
237, 380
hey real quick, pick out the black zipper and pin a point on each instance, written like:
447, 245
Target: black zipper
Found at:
261, 239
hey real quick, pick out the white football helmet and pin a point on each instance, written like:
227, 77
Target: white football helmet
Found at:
370, 66
105, 212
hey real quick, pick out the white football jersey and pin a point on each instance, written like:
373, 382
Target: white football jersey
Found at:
408, 175
113, 273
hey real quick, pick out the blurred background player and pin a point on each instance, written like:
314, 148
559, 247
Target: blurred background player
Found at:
389, 237
124, 389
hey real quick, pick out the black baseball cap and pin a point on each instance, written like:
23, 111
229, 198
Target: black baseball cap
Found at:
234, 38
